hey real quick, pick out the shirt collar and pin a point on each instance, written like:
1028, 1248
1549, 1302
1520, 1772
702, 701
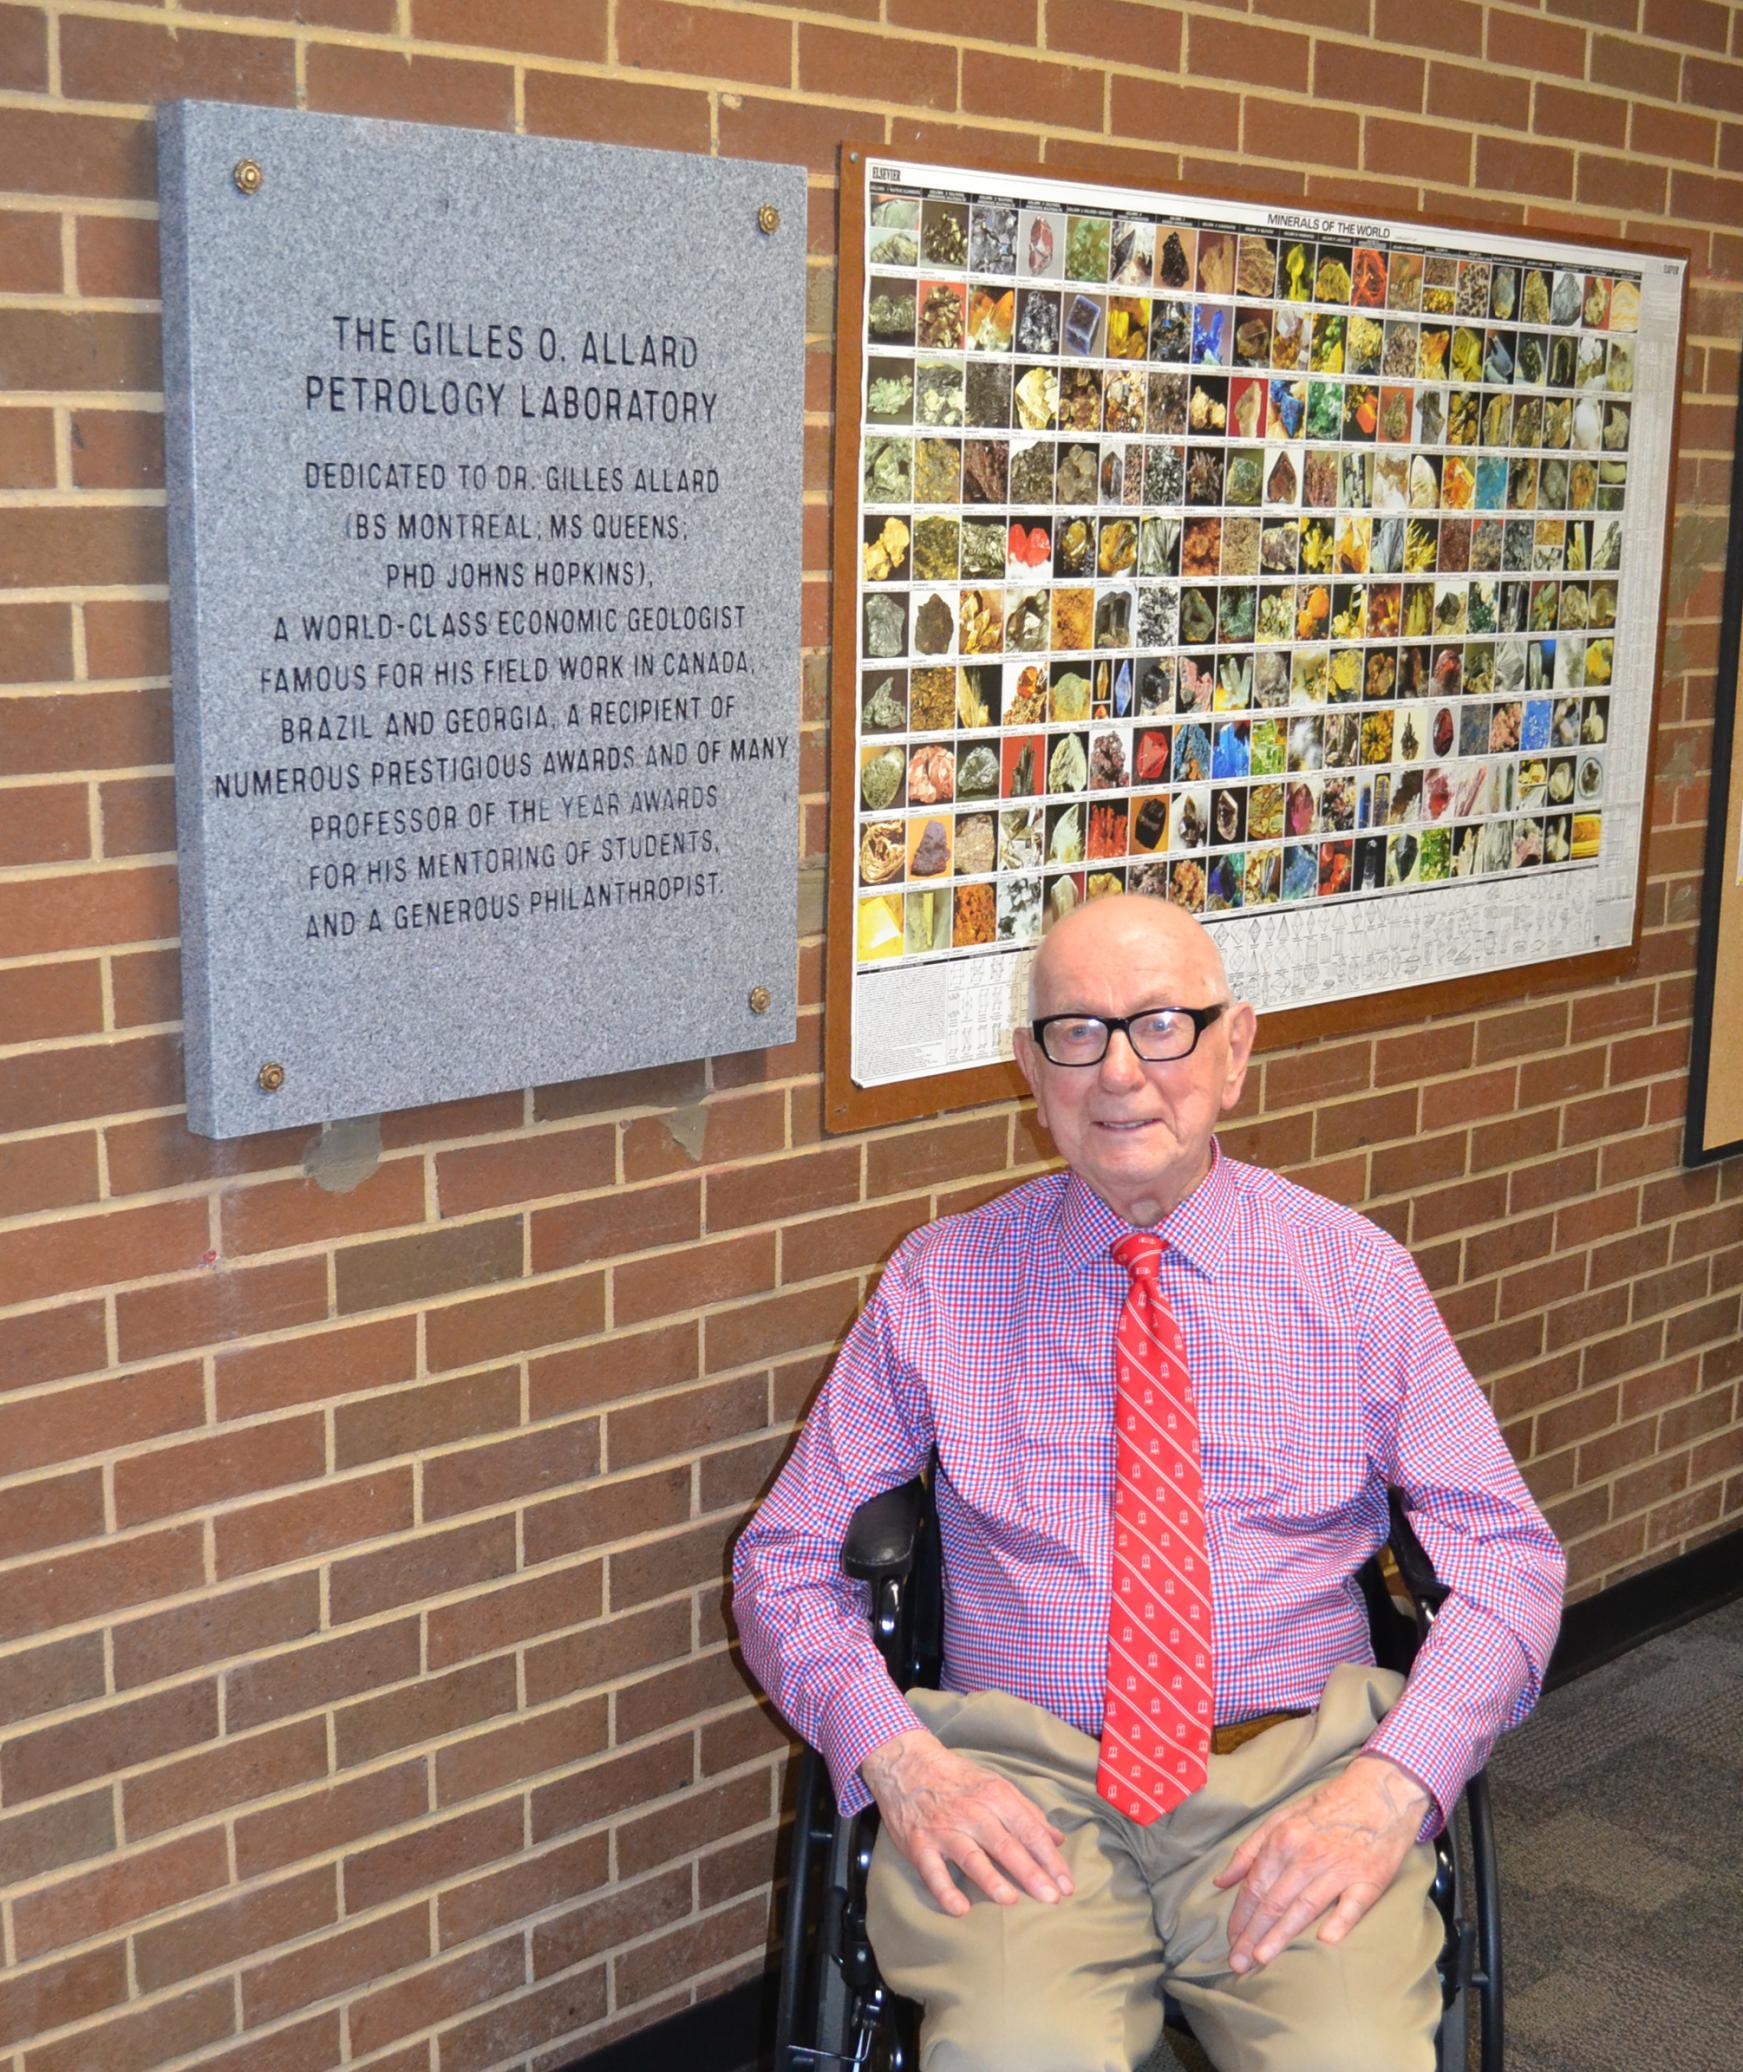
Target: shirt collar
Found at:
1200, 1229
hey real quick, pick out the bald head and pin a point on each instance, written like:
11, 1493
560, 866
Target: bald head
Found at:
1138, 1131
1129, 931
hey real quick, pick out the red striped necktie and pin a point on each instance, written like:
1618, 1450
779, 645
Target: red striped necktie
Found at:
1158, 1707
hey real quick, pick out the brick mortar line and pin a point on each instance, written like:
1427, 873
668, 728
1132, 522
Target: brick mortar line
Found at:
445, 2024
36, 780
664, 1998
56, 300
1651, 1365
119, 1614
238, 1966
1652, 1505
1576, 1345
350, 1773
532, 1130
1518, 1113
1640, 156
265, 28
245, 1181
531, 63
406, 42
290, 1334
1681, 228
1695, 1534
79, 499
52, 43
127, 1287
1619, 1331
228, 1588
84, 686
333, 1856
156, 1442
72, 302
770, 1821
1611, 1476
1289, 1104
134, 2002
600, 1961
655, 1671
671, 1732
909, 110
777, 1427
1567, 1453
305, 1247
664, 2001
207, 1590
423, 1224
70, 208
226, 1817
417, 1307
1638, 1561
64, 1795
699, 1981
84, 594
83, 867
279, 1801
88, 1040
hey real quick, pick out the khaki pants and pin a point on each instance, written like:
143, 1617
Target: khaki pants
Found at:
1076, 1987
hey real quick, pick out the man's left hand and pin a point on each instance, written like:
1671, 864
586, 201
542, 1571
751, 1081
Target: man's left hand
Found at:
1339, 1849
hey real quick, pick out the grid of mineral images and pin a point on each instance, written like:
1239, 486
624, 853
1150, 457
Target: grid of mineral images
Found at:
1234, 567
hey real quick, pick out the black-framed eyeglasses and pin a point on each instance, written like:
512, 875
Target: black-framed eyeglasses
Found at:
1158, 1035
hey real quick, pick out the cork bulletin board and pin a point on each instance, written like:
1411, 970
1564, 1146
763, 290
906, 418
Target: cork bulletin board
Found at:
1299, 568
1715, 1116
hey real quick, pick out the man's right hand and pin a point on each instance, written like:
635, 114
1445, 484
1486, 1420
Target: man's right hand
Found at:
941, 1809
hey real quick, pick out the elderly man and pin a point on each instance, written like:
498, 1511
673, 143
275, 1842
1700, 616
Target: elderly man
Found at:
1167, 1393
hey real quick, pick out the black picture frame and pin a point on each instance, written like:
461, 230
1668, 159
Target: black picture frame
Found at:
1719, 955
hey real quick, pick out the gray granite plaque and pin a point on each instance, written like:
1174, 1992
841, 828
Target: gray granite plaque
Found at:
485, 484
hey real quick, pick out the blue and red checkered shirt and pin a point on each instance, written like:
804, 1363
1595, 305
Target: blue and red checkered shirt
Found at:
1323, 1374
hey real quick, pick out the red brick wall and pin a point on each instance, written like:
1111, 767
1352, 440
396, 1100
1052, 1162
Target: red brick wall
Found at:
365, 1690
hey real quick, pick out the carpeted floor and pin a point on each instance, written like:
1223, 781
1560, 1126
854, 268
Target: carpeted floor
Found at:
1619, 1817
1619, 1807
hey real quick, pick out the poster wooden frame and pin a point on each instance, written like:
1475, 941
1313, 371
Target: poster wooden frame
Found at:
848, 1106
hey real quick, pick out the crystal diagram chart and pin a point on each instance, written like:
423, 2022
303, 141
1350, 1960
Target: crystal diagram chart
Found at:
1302, 570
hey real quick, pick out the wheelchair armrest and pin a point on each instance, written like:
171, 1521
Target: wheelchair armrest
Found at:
1426, 1589
881, 1534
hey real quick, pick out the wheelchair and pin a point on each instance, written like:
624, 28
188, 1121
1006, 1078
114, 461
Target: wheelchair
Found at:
833, 2009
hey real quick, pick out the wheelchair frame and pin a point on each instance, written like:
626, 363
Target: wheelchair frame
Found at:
834, 2010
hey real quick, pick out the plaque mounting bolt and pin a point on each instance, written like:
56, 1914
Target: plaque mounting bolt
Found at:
759, 999
270, 1077
248, 176
768, 219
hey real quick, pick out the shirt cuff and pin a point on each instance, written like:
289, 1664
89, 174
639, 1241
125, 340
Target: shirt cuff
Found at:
856, 1723
1434, 1819
1429, 1758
